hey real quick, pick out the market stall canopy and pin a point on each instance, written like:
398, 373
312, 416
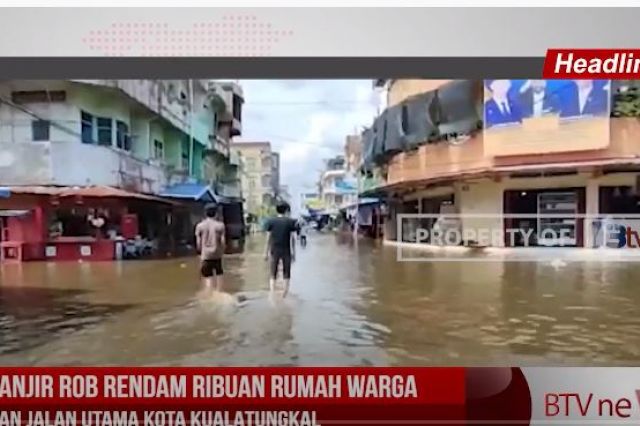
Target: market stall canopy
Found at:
192, 191
362, 202
314, 204
106, 192
80, 191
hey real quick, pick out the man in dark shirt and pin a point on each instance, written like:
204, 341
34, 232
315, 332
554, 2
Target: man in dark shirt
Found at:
281, 245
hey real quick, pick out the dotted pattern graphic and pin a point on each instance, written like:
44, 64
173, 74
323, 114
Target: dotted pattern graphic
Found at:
232, 35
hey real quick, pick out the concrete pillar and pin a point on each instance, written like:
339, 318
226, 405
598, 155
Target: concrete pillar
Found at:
592, 208
480, 198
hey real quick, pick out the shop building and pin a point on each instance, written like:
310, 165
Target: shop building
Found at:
457, 161
82, 161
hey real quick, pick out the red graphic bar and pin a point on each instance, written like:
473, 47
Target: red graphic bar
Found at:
331, 395
592, 64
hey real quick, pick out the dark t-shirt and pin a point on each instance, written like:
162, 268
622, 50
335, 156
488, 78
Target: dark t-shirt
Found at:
281, 229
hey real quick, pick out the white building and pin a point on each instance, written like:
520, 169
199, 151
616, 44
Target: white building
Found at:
338, 189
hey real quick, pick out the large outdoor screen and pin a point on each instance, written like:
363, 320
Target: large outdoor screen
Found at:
545, 116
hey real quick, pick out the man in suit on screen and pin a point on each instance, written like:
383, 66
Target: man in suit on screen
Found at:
500, 108
583, 98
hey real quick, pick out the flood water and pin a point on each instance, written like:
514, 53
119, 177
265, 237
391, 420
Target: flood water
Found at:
350, 304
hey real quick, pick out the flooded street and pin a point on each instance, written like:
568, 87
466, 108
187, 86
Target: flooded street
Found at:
349, 305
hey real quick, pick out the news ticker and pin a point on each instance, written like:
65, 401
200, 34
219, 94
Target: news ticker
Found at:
282, 396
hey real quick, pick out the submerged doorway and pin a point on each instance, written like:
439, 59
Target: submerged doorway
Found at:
538, 204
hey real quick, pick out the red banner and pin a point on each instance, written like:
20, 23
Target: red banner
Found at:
242, 396
602, 64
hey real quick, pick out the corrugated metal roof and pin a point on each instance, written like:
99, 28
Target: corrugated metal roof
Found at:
87, 191
107, 192
190, 191
35, 190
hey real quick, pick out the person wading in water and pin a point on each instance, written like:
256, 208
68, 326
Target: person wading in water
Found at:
281, 246
210, 241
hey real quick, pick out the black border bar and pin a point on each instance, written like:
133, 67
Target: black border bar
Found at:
269, 67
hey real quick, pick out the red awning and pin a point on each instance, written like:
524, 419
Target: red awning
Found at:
108, 192
87, 192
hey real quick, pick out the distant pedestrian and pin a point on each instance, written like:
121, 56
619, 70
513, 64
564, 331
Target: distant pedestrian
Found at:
210, 240
281, 246
302, 234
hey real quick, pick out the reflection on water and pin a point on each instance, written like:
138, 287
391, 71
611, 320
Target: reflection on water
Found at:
350, 304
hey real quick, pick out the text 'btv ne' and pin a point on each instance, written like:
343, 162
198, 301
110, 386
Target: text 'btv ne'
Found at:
587, 405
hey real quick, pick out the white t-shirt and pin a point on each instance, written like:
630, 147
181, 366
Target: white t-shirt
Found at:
583, 95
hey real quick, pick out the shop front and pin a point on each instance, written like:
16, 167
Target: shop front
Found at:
92, 223
549, 217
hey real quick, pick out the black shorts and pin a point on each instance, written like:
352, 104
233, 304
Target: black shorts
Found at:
286, 265
208, 267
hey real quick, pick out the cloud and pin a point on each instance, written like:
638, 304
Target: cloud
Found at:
307, 121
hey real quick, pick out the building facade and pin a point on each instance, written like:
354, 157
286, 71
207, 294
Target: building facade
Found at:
140, 135
93, 157
471, 157
338, 187
257, 177
275, 175
353, 153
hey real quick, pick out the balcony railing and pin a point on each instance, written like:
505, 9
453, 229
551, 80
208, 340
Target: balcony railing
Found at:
443, 160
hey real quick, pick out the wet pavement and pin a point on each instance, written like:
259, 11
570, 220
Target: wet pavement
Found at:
350, 304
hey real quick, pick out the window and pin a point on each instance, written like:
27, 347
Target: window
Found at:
123, 139
105, 131
40, 130
38, 96
237, 107
158, 150
87, 127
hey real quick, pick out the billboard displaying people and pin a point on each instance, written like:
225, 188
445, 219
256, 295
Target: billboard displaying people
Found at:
532, 117
509, 102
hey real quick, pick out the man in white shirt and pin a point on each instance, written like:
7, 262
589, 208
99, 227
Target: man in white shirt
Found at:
536, 100
585, 87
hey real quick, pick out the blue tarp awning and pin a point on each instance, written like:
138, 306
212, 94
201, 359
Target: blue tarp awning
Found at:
193, 192
362, 202
5, 192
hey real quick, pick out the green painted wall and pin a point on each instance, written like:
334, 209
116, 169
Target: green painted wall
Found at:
140, 137
157, 132
172, 147
198, 151
202, 128
101, 103
145, 129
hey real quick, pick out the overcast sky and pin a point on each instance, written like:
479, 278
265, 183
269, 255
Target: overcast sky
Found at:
306, 121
